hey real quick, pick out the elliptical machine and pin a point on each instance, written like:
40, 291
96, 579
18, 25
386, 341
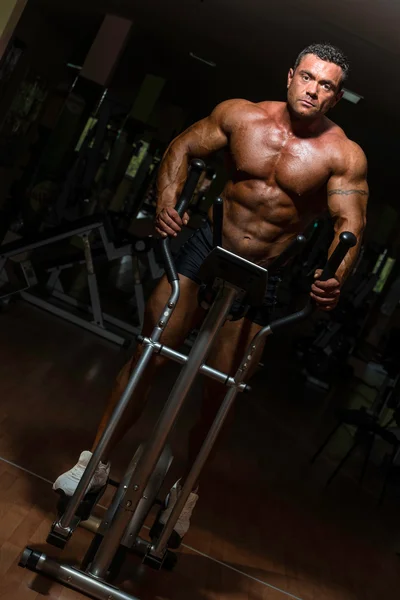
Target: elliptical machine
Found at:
230, 277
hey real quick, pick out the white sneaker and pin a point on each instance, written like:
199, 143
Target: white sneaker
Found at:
183, 523
68, 481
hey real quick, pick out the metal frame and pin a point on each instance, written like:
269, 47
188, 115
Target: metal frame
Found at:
99, 320
44, 241
72, 578
72, 318
92, 581
106, 317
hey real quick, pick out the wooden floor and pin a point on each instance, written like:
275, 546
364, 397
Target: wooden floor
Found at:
265, 526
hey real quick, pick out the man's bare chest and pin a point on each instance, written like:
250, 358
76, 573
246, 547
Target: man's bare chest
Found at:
299, 167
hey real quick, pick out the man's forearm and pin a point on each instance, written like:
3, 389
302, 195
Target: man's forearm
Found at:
172, 175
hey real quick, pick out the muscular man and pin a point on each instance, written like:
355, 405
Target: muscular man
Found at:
289, 163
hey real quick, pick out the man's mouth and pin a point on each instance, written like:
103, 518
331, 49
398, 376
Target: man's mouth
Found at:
307, 103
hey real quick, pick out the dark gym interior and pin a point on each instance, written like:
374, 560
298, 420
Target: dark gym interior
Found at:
302, 498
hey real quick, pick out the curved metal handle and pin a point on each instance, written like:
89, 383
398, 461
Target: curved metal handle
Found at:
347, 240
197, 166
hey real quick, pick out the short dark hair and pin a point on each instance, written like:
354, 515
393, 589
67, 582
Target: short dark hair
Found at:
326, 52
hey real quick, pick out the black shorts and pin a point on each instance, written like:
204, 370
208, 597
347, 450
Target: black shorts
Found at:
191, 256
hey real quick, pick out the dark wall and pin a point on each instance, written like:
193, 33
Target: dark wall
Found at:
52, 41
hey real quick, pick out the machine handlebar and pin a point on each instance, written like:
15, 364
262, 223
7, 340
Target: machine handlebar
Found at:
218, 219
197, 166
347, 240
290, 252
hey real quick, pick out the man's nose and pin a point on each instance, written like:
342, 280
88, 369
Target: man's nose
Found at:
312, 89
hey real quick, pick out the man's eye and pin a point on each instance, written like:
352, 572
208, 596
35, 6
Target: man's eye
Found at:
306, 77
327, 87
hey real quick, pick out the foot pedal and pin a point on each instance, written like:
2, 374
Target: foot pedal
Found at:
156, 530
167, 562
57, 540
86, 506
113, 483
170, 561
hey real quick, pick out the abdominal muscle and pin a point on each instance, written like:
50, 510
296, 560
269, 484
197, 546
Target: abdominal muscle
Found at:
259, 221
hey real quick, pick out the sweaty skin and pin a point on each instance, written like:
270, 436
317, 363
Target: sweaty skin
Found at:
288, 163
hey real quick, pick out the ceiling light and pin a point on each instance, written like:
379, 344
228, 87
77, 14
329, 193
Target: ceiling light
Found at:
352, 96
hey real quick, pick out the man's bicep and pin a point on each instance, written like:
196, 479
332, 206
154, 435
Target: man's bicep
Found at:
349, 212
348, 199
349, 177
205, 137
348, 192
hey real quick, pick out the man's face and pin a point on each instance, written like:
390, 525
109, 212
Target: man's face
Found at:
314, 87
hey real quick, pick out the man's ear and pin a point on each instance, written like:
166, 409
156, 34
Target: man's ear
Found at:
290, 77
338, 97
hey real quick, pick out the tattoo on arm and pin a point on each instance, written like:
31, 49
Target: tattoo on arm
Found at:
347, 192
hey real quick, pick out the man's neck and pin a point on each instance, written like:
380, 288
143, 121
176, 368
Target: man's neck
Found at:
301, 127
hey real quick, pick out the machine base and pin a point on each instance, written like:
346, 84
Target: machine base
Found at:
73, 578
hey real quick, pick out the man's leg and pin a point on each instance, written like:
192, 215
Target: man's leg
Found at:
185, 317
226, 355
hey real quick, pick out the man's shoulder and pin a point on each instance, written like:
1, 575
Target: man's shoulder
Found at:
242, 108
343, 149
270, 106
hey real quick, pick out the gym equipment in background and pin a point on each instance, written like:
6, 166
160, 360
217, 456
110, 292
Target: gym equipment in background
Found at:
326, 354
40, 283
367, 423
